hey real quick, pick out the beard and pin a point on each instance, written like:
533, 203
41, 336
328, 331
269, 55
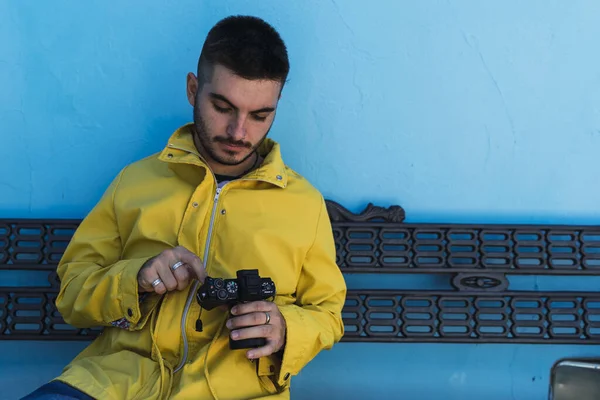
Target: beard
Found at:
210, 144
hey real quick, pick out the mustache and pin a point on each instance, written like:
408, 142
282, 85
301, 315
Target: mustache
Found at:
239, 143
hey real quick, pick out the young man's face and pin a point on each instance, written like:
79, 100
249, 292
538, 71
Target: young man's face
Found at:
232, 115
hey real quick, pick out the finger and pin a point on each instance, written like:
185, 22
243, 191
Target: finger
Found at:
143, 284
252, 319
144, 281
254, 306
166, 275
261, 331
182, 275
159, 288
263, 351
149, 278
193, 261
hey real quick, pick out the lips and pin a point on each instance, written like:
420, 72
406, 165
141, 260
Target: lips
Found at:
233, 147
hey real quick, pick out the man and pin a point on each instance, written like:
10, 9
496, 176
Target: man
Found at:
216, 200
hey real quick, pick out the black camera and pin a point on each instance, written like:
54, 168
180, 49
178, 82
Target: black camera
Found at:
248, 286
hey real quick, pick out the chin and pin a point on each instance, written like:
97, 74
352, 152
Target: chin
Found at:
233, 157
230, 159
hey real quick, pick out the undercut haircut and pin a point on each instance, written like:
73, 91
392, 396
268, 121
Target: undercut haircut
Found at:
246, 45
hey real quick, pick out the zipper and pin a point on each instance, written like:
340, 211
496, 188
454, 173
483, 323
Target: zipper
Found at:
192, 292
196, 283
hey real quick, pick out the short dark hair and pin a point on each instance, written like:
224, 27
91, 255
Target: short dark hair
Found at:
246, 45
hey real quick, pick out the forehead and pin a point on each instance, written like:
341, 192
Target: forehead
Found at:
243, 93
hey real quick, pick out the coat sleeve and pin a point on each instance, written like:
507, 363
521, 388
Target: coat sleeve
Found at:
314, 322
97, 287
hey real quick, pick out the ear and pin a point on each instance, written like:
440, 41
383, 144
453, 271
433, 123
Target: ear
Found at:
192, 88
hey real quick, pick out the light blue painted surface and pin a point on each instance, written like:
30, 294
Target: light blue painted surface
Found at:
460, 111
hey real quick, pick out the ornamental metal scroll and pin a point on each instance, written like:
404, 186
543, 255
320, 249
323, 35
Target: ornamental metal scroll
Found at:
480, 281
478, 306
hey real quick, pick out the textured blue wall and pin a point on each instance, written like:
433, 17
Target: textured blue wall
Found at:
479, 111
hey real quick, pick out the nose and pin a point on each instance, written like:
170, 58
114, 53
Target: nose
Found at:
236, 128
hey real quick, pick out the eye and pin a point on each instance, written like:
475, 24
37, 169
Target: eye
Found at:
221, 109
258, 118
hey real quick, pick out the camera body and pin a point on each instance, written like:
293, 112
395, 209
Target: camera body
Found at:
248, 286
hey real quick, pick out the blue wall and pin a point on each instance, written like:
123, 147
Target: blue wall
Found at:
460, 111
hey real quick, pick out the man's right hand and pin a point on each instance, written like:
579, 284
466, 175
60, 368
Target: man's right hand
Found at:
159, 270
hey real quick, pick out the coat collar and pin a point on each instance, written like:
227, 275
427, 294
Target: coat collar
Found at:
181, 149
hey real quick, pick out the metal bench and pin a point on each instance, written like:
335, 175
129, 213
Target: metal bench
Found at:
473, 265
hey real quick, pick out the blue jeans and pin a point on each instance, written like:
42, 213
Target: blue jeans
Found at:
56, 390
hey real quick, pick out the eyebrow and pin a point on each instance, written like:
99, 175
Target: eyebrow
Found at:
217, 96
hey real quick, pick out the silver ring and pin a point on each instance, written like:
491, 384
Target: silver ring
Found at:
176, 265
268, 318
156, 282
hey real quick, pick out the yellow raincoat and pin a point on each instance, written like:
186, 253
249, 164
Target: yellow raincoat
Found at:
272, 220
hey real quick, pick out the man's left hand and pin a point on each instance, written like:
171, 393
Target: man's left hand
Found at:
258, 319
